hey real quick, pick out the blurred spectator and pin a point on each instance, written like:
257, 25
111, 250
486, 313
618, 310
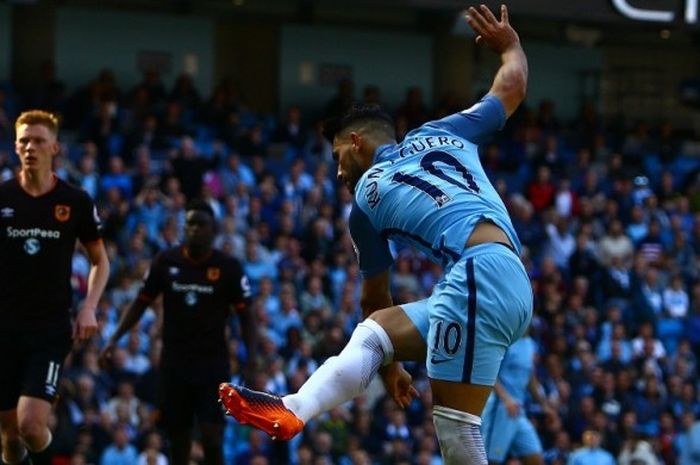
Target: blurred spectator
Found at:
541, 192
151, 454
566, 202
124, 405
551, 157
637, 451
688, 442
341, 102
590, 453
651, 246
290, 130
189, 167
185, 93
120, 452
413, 110
675, 298
561, 243
117, 177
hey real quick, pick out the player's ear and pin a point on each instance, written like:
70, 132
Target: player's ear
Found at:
56, 149
357, 141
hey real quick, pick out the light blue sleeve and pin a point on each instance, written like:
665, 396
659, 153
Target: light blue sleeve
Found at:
476, 123
371, 248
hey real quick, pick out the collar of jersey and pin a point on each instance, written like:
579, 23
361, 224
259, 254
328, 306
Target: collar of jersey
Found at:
382, 153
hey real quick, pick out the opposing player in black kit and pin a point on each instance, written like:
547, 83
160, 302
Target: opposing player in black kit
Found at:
41, 217
200, 287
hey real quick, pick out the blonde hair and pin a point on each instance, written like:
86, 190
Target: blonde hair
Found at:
44, 118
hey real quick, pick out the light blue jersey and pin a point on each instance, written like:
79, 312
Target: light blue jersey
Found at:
503, 434
429, 191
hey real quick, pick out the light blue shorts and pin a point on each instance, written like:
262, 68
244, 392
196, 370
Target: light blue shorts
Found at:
505, 435
481, 305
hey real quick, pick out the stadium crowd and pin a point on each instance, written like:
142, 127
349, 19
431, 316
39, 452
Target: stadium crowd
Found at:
609, 216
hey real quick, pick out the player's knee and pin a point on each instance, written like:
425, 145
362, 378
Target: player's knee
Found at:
31, 430
371, 327
459, 435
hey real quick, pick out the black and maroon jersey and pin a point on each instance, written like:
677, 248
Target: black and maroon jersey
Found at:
197, 300
37, 241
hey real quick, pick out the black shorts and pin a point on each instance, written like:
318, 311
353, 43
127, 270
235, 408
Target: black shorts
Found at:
180, 401
31, 363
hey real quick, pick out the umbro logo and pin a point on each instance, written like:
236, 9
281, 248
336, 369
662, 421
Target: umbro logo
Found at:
7, 212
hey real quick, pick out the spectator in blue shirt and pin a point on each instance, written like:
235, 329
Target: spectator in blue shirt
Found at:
591, 452
120, 452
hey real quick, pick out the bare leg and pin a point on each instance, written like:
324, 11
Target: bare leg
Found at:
33, 418
13, 450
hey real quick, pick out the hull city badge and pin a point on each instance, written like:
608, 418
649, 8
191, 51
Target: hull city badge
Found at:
62, 212
213, 273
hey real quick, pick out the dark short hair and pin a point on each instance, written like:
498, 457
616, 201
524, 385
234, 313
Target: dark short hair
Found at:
201, 206
360, 114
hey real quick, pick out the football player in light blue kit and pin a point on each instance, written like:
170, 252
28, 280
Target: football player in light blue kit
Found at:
505, 427
429, 192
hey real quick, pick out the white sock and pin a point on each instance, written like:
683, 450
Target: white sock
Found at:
459, 435
344, 376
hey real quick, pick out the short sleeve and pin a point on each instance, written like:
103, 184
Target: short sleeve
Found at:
153, 284
240, 286
89, 225
478, 122
371, 248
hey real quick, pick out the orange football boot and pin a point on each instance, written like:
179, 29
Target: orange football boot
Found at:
261, 410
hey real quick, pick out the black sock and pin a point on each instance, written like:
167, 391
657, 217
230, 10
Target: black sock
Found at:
40, 458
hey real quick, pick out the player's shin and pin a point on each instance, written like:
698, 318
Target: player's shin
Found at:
459, 435
345, 376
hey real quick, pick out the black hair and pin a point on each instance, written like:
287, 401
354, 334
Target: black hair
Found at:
201, 206
371, 114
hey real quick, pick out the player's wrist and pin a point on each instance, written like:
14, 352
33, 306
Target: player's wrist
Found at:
385, 369
512, 48
86, 307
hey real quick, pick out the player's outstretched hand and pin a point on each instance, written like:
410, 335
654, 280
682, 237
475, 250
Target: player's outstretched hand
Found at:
397, 382
496, 34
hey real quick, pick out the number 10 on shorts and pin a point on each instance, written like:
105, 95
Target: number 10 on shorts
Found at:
446, 341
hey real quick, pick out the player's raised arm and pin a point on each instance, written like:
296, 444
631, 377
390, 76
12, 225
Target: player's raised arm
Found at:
510, 83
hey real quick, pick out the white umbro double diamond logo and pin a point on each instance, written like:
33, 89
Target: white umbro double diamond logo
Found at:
7, 212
